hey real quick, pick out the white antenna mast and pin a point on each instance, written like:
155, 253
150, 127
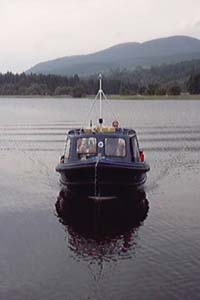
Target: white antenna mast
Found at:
100, 93
101, 97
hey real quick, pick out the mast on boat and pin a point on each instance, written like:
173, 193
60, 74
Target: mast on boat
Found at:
101, 95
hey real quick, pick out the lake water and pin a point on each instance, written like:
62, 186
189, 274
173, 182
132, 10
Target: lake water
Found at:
104, 252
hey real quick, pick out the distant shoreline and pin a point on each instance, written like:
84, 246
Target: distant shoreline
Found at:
110, 97
155, 97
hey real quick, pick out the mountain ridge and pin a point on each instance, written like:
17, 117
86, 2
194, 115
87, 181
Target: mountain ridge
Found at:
128, 55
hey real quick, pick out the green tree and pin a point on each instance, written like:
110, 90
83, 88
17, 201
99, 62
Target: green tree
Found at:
193, 84
78, 91
174, 90
151, 89
62, 90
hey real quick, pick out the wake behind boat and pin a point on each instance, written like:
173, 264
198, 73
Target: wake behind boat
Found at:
102, 161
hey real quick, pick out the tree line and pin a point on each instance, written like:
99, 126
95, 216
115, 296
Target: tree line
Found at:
161, 80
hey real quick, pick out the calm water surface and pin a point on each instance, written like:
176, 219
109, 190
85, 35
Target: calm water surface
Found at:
110, 252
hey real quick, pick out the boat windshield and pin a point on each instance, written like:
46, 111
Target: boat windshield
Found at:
86, 147
115, 147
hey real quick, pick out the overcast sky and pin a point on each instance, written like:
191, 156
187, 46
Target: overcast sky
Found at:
32, 31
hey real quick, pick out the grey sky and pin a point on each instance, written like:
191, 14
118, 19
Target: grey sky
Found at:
37, 30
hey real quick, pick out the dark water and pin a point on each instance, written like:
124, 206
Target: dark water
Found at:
114, 251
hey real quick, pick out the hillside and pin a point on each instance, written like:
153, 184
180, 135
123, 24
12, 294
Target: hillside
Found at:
128, 55
165, 79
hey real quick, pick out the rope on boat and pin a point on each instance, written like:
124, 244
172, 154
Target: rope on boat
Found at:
90, 110
96, 178
108, 103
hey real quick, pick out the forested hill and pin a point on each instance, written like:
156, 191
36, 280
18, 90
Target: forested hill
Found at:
128, 55
165, 79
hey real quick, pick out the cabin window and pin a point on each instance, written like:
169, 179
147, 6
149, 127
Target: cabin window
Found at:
86, 147
115, 147
135, 149
67, 148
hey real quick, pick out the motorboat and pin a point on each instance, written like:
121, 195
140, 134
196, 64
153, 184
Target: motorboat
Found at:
102, 161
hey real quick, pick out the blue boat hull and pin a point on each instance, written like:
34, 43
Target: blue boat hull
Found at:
103, 176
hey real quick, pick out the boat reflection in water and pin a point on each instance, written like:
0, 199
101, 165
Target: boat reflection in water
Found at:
102, 230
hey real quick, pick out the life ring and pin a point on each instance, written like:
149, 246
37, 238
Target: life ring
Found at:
115, 124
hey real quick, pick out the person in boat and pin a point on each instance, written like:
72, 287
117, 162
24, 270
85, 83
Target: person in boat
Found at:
115, 124
121, 149
81, 146
115, 147
86, 147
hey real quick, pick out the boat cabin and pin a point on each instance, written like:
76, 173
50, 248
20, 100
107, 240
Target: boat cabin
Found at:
110, 143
